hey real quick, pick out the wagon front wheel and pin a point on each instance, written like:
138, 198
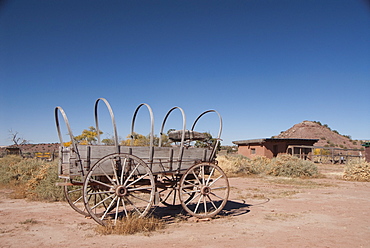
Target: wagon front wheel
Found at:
123, 185
209, 187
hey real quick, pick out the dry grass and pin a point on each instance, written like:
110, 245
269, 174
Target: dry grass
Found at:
282, 165
30, 178
130, 225
240, 166
290, 166
357, 171
281, 216
29, 221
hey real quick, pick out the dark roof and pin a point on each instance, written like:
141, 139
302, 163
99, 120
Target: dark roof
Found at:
260, 141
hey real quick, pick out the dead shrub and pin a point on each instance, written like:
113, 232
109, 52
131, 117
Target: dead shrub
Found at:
289, 166
357, 171
238, 165
30, 178
131, 224
283, 165
233, 165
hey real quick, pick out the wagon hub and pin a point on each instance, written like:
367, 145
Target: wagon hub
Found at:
121, 191
205, 190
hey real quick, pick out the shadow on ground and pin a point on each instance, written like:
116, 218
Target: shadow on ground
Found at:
176, 213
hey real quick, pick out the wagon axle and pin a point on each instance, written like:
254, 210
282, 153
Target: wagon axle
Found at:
121, 191
205, 190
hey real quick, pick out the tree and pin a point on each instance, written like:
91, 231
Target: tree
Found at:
16, 139
142, 140
209, 141
108, 141
88, 137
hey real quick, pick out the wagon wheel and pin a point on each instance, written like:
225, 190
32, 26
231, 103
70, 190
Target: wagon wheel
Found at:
210, 187
169, 195
123, 185
73, 194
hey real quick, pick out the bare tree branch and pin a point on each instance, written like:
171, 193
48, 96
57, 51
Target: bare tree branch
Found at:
16, 139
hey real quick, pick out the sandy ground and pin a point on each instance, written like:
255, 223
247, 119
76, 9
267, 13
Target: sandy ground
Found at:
261, 212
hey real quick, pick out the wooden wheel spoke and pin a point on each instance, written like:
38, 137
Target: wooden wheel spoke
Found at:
205, 204
174, 197
78, 199
123, 170
136, 209
222, 187
168, 195
200, 198
114, 168
214, 181
210, 175
196, 177
108, 208
117, 210
74, 190
101, 197
107, 176
139, 198
202, 172
101, 183
101, 202
138, 189
124, 206
191, 192
189, 182
128, 185
100, 192
222, 198
213, 204
132, 172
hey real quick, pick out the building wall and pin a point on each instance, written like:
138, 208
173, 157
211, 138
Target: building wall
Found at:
275, 148
254, 150
268, 149
367, 154
251, 151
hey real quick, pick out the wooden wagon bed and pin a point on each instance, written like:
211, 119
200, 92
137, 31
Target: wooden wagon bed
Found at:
112, 182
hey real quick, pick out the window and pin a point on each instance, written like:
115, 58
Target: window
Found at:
253, 150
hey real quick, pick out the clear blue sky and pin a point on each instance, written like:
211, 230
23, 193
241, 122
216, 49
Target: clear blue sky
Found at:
265, 65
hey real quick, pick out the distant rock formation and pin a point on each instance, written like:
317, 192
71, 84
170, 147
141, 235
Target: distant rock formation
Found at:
326, 136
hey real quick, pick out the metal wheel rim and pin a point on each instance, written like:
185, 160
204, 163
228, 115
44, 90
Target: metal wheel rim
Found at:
210, 187
126, 187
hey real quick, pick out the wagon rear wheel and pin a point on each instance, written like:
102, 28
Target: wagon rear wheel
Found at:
209, 187
73, 194
123, 185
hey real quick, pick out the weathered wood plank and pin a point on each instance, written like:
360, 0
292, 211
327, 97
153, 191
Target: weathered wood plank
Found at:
163, 158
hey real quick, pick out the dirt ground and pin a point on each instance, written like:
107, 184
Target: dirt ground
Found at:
261, 212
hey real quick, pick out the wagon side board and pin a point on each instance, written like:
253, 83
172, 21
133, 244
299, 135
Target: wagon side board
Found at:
159, 159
